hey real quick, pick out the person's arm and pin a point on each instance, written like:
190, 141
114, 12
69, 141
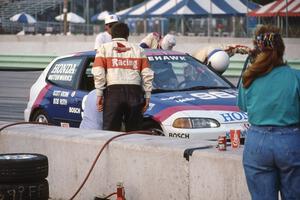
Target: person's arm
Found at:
231, 50
147, 78
99, 73
99, 41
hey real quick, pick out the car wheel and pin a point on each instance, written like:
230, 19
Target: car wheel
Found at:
23, 168
153, 127
40, 116
25, 191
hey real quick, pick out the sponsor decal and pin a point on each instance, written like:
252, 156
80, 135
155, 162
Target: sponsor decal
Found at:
62, 72
60, 101
234, 116
155, 58
63, 102
64, 94
199, 95
74, 110
184, 100
212, 95
179, 135
57, 77
178, 99
56, 101
64, 69
171, 98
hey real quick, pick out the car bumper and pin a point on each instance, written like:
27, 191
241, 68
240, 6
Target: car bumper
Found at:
205, 133
27, 114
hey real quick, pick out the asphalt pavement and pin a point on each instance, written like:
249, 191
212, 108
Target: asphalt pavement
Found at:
14, 93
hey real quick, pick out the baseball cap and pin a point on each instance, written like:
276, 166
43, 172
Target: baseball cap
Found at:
111, 18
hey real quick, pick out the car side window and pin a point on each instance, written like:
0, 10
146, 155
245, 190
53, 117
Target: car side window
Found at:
87, 78
63, 72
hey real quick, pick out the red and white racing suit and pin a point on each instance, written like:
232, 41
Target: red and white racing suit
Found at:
122, 69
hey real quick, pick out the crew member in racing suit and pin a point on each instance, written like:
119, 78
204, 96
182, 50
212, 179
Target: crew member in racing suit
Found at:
156, 41
123, 81
218, 56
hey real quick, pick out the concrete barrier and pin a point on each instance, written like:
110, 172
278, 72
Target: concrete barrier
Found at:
151, 167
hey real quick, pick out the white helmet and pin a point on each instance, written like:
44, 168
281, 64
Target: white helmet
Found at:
218, 59
168, 42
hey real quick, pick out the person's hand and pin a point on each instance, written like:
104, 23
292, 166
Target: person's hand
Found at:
241, 49
146, 105
99, 103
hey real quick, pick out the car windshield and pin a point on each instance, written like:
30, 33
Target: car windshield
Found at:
183, 72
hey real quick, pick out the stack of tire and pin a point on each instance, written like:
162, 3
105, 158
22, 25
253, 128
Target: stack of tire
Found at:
23, 176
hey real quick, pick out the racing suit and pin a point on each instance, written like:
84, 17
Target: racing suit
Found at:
123, 77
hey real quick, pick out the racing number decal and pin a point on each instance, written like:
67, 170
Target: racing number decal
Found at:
212, 95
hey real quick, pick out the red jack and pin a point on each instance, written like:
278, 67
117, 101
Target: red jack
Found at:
120, 191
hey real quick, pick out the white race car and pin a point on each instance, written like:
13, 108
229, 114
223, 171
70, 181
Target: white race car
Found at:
189, 99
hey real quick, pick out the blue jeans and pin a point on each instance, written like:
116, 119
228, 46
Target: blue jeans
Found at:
272, 162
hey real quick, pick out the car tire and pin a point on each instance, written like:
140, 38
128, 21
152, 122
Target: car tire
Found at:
22, 168
25, 191
40, 116
153, 127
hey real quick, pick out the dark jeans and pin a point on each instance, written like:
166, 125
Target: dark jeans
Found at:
272, 162
123, 103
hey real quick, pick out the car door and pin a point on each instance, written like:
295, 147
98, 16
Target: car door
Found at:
65, 101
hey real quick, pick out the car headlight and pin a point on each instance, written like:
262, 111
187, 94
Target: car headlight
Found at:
188, 122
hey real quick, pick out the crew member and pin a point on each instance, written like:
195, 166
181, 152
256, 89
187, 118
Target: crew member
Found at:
218, 56
123, 81
270, 94
91, 118
105, 36
155, 41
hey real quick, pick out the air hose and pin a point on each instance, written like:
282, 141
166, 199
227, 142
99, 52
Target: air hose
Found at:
100, 152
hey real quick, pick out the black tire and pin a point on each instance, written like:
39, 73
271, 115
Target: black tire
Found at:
23, 167
40, 116
25, 191
152, 126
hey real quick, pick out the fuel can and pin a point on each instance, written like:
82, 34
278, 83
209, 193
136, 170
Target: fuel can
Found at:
222, 143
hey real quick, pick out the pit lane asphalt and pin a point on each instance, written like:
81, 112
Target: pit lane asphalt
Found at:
14, 93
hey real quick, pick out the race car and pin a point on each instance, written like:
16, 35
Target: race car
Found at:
189, 99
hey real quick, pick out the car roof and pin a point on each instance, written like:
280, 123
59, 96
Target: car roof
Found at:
148, 52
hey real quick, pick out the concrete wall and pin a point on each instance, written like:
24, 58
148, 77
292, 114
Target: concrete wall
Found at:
60, 45
150, 167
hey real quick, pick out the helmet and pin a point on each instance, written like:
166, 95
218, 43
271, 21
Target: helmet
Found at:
218, 59
111, 18
168, 42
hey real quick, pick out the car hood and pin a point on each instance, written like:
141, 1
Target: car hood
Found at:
165, 104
